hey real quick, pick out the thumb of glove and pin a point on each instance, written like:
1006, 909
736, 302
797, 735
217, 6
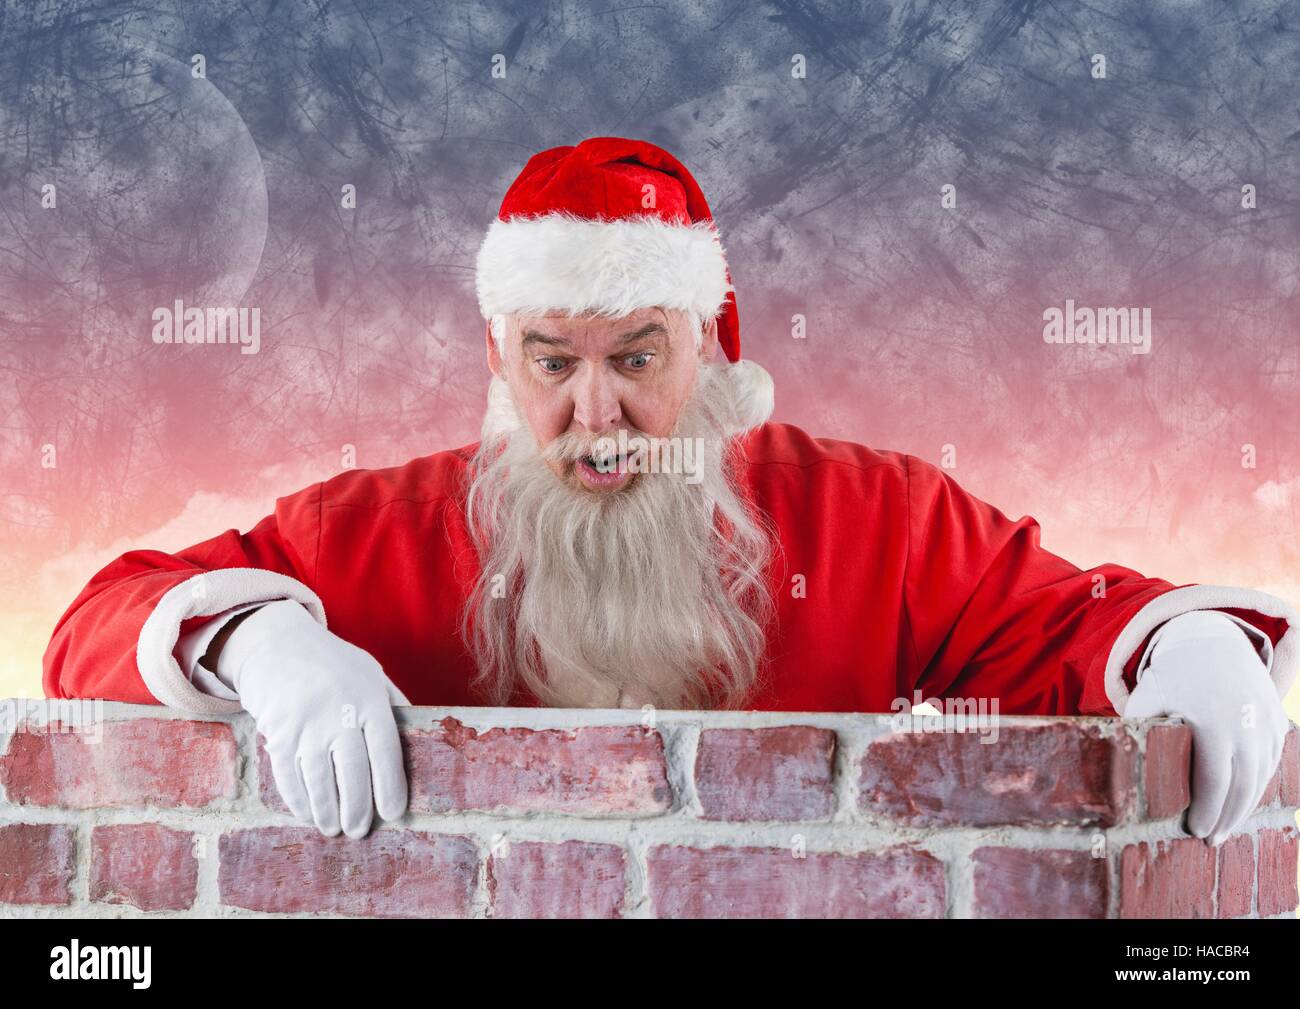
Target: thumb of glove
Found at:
1147, 699
395, 697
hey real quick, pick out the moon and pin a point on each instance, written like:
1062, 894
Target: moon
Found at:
166, 187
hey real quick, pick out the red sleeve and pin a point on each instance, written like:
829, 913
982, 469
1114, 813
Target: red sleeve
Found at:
994, 615
115, 641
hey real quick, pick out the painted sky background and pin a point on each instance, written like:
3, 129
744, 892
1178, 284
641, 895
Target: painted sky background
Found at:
924, 324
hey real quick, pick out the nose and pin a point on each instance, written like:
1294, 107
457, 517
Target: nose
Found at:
595, 403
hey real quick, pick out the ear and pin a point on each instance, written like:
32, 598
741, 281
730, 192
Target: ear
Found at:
493, 353
708, 339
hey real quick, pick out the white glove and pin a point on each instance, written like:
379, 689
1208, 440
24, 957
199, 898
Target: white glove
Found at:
1204, 669
325, 708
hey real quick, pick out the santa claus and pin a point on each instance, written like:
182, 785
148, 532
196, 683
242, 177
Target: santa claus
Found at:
561, 561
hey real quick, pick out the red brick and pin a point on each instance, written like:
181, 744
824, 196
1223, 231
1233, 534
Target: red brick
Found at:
143, 864
37, 862
1168, 766
778, 773
1285, 783
1289, 770
266, 788
1277, 889
1040, 883
1057, 773
600, 770
1167, 879
140, 762
387, 874
900, 882
1236, 876
1271, 793
574, 879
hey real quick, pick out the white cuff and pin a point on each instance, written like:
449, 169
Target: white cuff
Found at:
1280, 660
208, 593
193, 646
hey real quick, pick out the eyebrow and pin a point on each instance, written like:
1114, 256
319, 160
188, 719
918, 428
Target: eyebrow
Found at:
650, 329
532, 336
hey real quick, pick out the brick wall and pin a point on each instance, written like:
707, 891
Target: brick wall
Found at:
547, 812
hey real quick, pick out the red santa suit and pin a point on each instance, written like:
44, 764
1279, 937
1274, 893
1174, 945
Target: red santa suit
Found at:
890, 579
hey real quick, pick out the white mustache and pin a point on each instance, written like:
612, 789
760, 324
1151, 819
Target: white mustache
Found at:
572, 446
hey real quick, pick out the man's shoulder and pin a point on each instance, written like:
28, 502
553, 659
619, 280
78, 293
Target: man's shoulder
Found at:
781, 446
427, 479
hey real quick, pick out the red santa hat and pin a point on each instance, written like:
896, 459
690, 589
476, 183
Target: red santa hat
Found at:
611, 226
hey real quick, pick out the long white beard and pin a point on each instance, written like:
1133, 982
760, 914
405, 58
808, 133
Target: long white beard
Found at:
653, 594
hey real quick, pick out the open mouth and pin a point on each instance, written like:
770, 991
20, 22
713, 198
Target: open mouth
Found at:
604, 472
605, 463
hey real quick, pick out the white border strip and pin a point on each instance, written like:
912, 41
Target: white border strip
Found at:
565, 262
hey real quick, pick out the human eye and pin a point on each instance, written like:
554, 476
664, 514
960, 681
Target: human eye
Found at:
639, 361
552, 365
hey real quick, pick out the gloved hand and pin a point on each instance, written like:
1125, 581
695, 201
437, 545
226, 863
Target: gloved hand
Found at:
325, 708
1204, 669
